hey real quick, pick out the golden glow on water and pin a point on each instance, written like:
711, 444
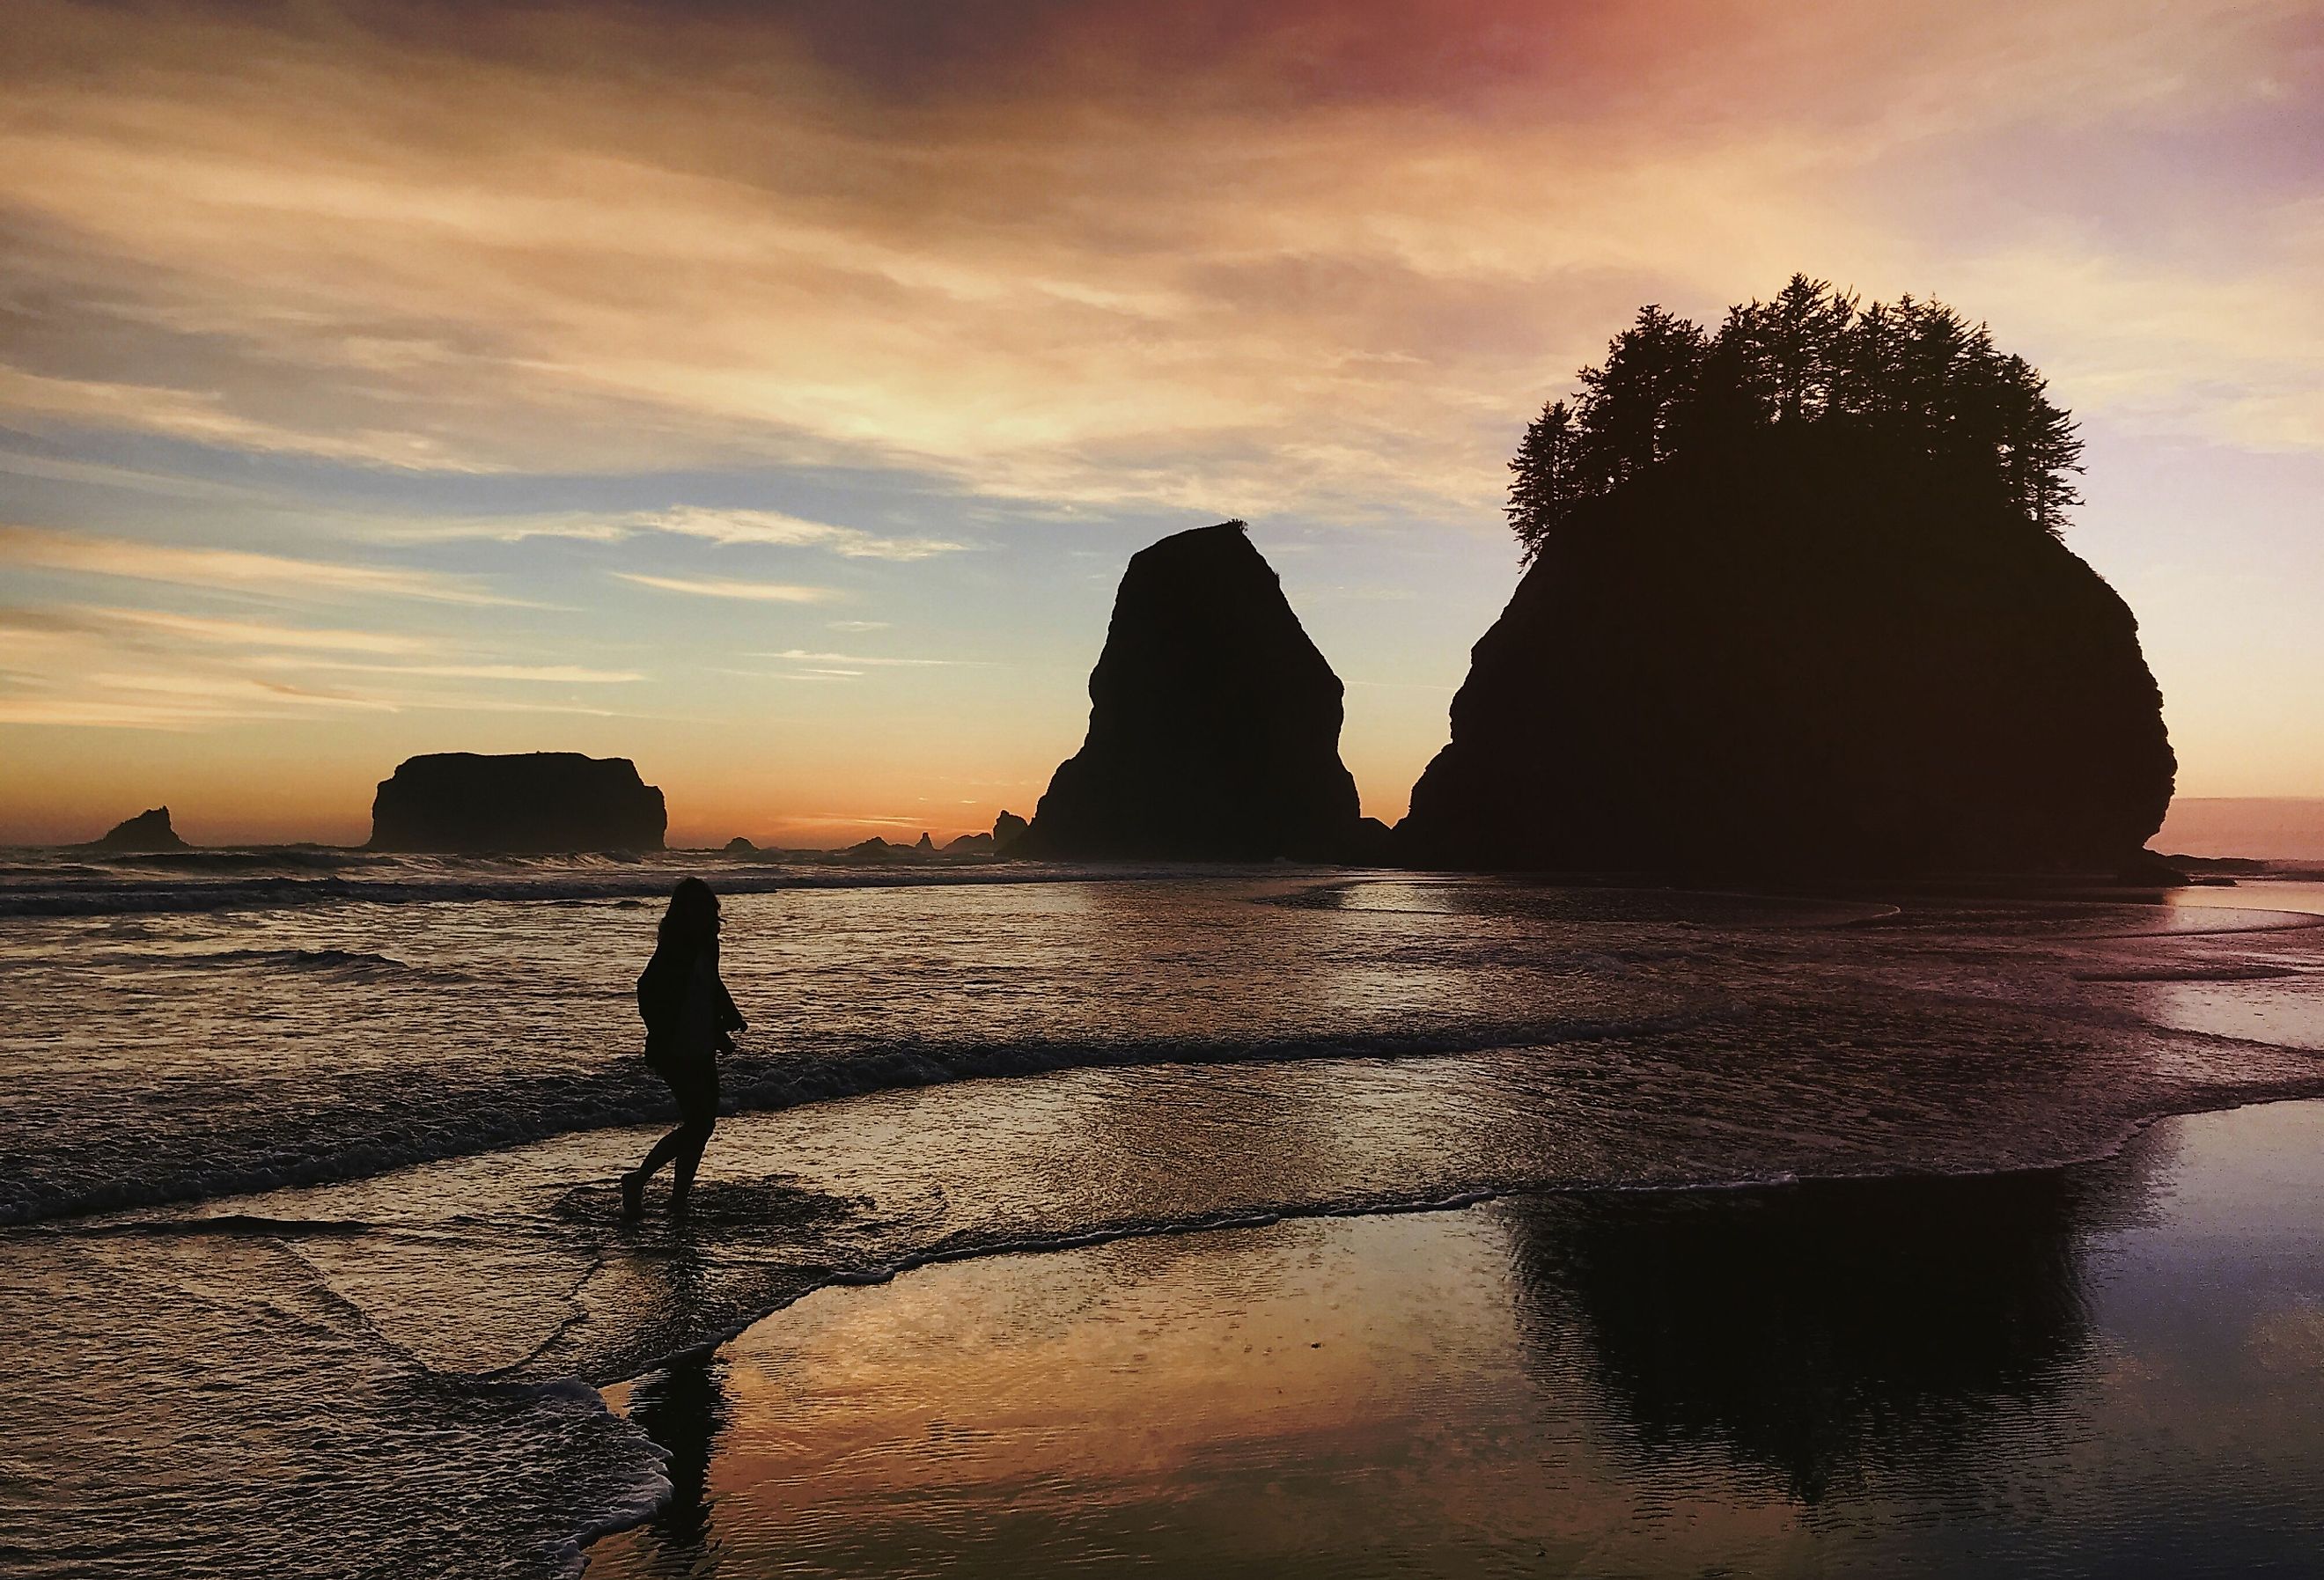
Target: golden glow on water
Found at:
1913, 1375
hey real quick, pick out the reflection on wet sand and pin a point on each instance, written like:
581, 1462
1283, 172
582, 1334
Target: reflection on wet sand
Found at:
683, 1409
1937, 1375
1816, 1330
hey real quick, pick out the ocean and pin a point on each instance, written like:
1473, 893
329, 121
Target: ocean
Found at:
308, 1227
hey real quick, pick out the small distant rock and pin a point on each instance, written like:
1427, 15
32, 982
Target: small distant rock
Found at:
146, 834
738, 845
969, 845
1007, 829
2146, 870
927, 847
2218, 865
874, 849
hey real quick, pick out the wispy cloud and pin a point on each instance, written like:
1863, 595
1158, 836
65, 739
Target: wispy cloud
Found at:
557, 674
149, 707
579, 526
800, 655
130, 479
253, 634
772, 527
103, 713
206, 417
769, 592
810, 673
230, 569
208, 691
105, 666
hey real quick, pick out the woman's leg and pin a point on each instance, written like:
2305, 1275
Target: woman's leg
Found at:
697, 1091
663, 1151
699, 1107
695, 1085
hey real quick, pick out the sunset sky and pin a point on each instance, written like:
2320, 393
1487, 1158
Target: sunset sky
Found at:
774, 394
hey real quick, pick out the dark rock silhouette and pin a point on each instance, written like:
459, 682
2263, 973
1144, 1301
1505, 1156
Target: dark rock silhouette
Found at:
1007, 829
1795, 651
738, 845
969, 845
533, 802
146, 834
1373, 844
2146, 870
925, 845
874, 849
2219, 865
1215, 723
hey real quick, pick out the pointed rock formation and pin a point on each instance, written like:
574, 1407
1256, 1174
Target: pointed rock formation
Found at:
527, 803
1789, 656
1214, 724
146, 834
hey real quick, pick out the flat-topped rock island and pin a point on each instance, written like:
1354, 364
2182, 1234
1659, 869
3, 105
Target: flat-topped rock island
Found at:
521, 803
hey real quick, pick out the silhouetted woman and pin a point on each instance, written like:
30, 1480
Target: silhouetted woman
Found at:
691, 1020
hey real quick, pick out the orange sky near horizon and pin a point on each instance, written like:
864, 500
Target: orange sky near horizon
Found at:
773, 396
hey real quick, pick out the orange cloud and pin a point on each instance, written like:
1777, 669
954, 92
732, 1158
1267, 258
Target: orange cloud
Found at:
727, 587
1322, 258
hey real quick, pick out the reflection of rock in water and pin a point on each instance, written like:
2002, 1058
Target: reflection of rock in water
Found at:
1824, 1329
683, 1409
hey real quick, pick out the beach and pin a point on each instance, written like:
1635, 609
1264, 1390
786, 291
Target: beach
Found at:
313, 1223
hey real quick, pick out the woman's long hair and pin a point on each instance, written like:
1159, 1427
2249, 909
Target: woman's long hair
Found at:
691, 923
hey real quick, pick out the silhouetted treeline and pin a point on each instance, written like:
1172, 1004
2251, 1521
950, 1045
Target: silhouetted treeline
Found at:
1912, 378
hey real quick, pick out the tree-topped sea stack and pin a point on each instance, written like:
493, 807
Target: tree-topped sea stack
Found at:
1797, 602
534, 802
1214, 724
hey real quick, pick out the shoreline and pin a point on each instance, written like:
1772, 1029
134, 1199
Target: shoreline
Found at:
619, 1095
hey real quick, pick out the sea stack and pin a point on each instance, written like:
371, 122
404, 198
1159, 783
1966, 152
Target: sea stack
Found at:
1215, 723
146, 834
527, 803
1788, 655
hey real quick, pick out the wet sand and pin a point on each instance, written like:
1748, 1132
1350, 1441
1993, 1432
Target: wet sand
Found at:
2115, 1368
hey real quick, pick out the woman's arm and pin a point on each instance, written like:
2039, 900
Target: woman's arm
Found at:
728, 1012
